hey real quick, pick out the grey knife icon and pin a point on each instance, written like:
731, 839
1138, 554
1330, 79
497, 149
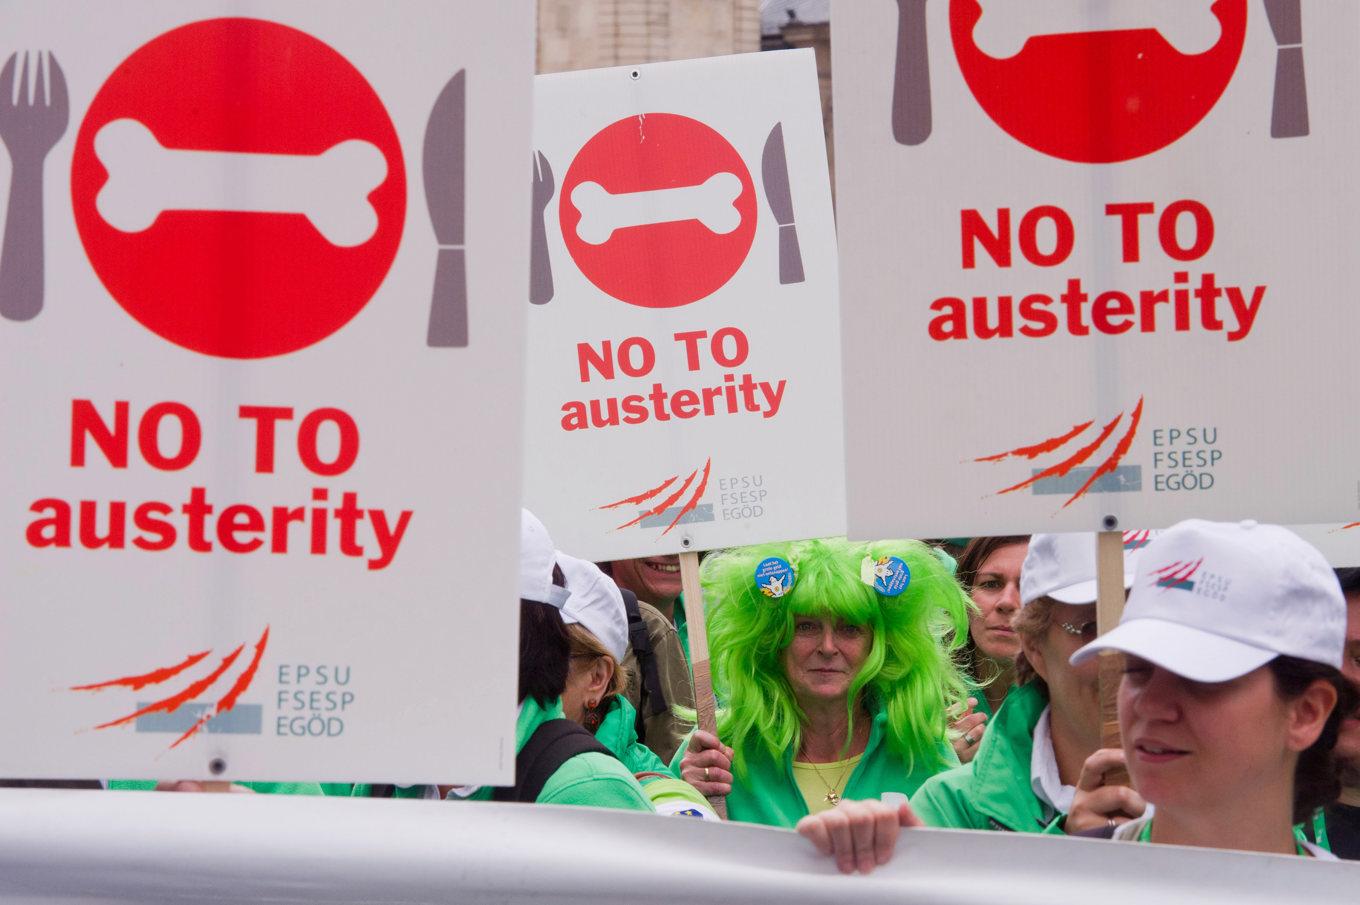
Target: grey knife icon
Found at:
442, 165
911, 112
1289, 114
774, 175
540, 264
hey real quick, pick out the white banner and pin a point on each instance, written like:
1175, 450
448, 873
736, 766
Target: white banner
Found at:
684, 352
248, 395
1095, 263
152, 847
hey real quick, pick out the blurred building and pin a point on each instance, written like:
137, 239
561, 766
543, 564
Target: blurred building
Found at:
586, 34
803, 23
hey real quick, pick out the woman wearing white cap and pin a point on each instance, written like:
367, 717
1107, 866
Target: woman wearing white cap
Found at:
590, 775
1228, 709
597, 628
1025, 771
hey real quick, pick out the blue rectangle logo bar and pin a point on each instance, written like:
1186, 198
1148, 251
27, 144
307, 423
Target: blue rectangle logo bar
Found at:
243, 719
1124, 479
702, 513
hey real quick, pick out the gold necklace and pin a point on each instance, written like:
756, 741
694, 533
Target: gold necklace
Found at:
832, 796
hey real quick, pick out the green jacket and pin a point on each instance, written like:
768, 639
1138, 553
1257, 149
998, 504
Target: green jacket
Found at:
618, 733
767, 792
590, 779
994, 792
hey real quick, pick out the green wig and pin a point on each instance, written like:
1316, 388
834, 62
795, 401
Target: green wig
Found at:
909, 670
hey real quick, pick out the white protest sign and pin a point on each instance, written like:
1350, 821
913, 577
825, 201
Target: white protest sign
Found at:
1340, 544
684, 348
1094, 263
246, 394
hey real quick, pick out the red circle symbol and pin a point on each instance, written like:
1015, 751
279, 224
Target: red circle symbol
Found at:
239, 188
1103, 96
658, 210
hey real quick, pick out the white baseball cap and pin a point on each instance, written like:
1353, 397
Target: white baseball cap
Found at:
1063, 566
536, 558
595, 603
1212, 601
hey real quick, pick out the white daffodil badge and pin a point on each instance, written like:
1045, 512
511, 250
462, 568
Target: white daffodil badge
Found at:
775, 587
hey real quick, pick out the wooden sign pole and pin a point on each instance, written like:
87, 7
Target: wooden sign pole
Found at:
1109, 607
704, 702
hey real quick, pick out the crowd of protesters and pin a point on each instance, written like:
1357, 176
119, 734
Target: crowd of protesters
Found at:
867, 687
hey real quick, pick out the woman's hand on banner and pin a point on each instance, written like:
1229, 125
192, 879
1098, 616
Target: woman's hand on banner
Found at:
860, 835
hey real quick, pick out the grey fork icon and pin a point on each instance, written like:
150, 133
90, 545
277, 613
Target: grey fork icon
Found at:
29, 128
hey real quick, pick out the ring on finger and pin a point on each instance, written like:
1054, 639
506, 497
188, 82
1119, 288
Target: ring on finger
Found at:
1110, 822
706, 779
969, 740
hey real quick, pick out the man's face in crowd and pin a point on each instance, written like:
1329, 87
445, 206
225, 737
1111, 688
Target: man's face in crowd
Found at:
1348, 745
654, 579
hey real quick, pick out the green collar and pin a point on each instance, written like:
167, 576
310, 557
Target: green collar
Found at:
1001, 768
531, 716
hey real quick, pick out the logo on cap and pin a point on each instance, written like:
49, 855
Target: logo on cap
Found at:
1177, 576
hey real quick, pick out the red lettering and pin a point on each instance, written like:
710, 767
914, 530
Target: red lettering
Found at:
112, 442
691, 340
265, 417
602, 361
996, 243
626, 356
149, 430
1129, 228
348, 449
1204, 230
1064, 235
236, 520
740, 344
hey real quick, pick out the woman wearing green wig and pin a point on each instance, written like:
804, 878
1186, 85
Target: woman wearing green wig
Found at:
829, 660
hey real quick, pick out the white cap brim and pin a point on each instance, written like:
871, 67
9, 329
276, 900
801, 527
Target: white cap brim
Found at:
1190, 652
1083, 591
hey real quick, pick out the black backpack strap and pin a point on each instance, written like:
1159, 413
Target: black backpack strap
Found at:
552, 745
651, 699
50, 784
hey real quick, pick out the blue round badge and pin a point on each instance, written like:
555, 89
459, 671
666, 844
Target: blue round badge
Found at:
774, 577
891, 576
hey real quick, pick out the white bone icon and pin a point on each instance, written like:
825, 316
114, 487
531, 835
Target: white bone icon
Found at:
331, 189
1190, 26
711, 202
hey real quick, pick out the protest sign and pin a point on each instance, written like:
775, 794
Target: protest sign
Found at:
683, 355
258, 374
1340, 544
1094, 263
